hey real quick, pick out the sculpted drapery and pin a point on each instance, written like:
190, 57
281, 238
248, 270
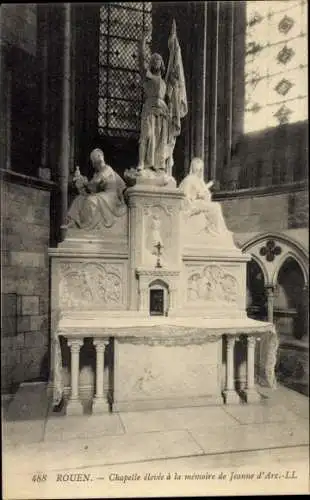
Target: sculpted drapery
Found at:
201, 211
100, 200
164, 105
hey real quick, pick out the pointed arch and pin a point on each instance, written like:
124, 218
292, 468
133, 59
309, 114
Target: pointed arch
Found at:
281, 262
262, 266
292, 248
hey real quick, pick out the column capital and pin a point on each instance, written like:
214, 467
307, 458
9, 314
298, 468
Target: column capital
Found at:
100, 343
251, 340
270, 289
231, 339
75, 344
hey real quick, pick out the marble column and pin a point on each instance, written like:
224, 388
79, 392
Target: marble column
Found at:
214, 89
251, 395
100, 403
66, 108
6, 118
44, 170
305, 304
230, 394
199, 81
74, 406
270, 301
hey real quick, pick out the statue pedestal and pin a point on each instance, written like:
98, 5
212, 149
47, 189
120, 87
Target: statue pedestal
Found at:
149, 177
154, 216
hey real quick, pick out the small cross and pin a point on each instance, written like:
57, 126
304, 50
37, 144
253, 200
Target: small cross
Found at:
158, 247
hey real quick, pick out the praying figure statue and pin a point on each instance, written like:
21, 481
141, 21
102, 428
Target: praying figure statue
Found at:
100, 201
164, 105
205, 215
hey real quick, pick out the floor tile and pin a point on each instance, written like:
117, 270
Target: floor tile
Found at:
301, 408
82, 427
17, 433
292, 400
249, 414
29, 403
183, 418
251, 437
59, 455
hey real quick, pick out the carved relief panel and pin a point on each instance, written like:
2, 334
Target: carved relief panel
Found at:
157, 230
211, 283
92, 285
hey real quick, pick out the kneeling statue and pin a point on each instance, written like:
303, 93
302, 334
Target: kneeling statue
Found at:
100, 200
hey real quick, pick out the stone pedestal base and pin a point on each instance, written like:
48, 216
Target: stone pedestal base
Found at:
231, 397
251, 396
74, 407
100, 406
149, 177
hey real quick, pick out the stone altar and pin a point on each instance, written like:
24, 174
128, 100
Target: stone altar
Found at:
148, 290
155, 307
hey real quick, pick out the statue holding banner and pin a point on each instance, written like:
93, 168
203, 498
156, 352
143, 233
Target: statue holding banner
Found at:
164, 106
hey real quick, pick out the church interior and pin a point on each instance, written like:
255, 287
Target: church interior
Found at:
70, 85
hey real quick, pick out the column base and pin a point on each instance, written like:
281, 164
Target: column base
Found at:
100, 405
74, 407
231, 397
251, 396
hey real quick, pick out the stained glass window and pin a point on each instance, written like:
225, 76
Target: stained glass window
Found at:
276, 64
120, 85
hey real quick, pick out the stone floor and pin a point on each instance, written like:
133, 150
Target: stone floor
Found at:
228, 450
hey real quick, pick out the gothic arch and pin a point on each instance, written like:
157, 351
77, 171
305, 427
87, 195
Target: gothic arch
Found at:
282, 261
256, 290
290, 248
261, 265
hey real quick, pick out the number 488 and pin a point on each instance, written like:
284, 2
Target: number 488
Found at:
39, 478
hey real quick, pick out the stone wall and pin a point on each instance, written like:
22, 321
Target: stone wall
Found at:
25, 279
298, 210
272, 212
